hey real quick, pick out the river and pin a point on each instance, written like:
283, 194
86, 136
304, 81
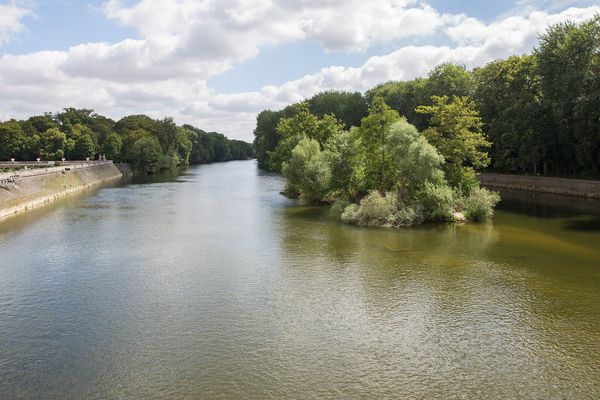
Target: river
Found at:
210, 284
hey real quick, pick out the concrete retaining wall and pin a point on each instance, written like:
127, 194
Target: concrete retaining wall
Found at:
571, 187
20, 193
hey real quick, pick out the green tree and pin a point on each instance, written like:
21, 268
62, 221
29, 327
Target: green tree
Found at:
52, 144
348, 107
373, 132
13, 141
308, 170
184, 146
456, 131
303, 124
147, 155
509, 97
449, 80
112, 146
569, 66
84, 148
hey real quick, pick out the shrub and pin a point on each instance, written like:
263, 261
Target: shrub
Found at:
480, 203
438, 202
350, 214
407, 216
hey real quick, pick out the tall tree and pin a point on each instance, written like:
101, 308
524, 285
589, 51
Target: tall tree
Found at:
456, 131
373, 130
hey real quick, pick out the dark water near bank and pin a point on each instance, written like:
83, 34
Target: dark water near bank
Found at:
212, 285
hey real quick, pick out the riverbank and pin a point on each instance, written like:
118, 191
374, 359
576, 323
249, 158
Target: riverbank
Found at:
542, 184
25, 190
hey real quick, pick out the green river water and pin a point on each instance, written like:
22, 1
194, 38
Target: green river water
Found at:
211, 285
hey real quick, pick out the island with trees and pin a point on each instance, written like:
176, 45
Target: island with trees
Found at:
408, 152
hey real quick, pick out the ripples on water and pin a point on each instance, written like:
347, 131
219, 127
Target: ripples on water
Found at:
212, 285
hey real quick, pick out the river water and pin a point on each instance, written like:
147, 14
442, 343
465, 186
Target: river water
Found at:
210, 284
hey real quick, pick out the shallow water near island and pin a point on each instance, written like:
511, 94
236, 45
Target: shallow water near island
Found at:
210, 284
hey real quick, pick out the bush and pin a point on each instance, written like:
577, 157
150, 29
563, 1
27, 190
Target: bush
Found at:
437, 201
407, 216
350, 214
374, 209
480, 203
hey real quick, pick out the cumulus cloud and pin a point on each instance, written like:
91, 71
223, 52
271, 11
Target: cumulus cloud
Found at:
11, 16
182, 43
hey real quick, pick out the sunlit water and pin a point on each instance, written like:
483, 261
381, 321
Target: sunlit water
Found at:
212, 285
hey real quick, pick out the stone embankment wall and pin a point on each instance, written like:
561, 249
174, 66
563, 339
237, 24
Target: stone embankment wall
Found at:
26, 189
570, 187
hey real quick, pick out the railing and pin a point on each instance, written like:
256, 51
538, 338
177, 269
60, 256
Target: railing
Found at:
65, 166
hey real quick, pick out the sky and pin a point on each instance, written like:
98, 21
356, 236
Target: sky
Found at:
216, 64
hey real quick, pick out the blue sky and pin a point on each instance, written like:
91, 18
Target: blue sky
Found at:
217, 63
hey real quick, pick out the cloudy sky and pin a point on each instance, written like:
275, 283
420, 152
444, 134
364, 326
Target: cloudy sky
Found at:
217, 63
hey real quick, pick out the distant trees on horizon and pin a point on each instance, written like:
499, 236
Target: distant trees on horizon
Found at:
149, 144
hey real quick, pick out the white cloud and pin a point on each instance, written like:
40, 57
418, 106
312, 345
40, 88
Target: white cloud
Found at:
183, 42
11, 16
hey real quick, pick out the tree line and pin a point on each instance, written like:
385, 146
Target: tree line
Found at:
540, 112
148, 144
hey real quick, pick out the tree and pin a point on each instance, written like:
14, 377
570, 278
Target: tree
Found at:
147, 155
13, 141
84, 148
449, 80
348, 107
308, 170
510, 101
569, 66
301, 125
404, 97
373, 131
184, 146
415, 160
456, 131
112, 146
52, 144
347, 172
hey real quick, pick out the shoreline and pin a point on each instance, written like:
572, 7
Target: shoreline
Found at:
31, 192
540, 184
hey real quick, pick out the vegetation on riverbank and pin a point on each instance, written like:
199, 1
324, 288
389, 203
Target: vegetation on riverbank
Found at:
541, 112
148, 144
408, 152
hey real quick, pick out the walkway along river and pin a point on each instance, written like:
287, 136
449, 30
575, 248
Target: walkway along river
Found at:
210, 284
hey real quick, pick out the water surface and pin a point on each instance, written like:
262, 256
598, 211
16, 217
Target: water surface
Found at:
210, 284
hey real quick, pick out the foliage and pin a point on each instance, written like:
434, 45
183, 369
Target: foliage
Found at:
456, 130
77, 134
480, 204
348, 107
340, 167
308, 170
541, 112
568, 59
373, 134
112, 146
509, 98
303, 124
148, 156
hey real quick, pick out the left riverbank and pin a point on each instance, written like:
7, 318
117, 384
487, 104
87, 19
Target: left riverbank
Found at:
24, 190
